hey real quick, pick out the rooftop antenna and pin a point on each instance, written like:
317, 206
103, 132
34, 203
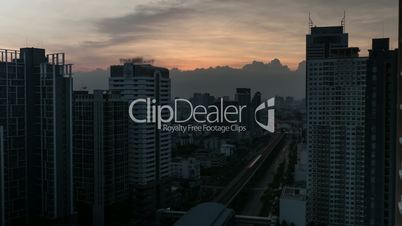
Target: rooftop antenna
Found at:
310, 22
343, 22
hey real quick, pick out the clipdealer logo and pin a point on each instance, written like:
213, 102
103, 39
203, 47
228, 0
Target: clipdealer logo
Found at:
163, 115
268, 105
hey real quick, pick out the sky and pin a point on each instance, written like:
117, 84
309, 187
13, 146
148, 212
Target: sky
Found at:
187, 34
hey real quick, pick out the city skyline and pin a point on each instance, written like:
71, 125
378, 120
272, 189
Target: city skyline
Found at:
188, 34
150, 113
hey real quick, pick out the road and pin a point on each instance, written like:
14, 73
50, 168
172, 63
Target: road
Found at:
253, 205
227, 195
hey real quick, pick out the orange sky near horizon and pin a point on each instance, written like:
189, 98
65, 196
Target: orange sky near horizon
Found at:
188, 34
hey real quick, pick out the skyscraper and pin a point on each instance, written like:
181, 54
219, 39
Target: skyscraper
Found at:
398, 159
380, 133
149, 147
35, 112
100, 155
336, 78
12, 97
2, 222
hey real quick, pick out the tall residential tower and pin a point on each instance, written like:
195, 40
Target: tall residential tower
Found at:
36, 115
380, 133
336, 78
398, 159
149, 147
100, 156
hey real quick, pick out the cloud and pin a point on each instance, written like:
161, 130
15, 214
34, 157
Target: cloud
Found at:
202, 33
272, 78
145, 22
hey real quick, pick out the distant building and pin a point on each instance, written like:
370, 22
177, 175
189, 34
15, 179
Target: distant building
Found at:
100, 154
181, 139
289, 100
301, 167
149, 148
227, 149
212, 143
255, 102
279, 101
292, 206
243, 98
208, 159
188, 169
36, 115
204, 99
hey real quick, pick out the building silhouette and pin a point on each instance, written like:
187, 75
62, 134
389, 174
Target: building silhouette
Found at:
243, 98
149, 147
35, 112
398, 159
254, 117
204, 99
2, 219
100, 156
336, 86
381, 108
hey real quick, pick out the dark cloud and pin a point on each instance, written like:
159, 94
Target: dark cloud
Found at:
190, 33
271, 79
288, 17
145, 22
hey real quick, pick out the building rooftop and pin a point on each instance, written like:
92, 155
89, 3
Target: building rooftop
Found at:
207, 214
327, 30
294, 193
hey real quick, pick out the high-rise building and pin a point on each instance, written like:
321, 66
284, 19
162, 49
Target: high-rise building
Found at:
380, 133
100, 155
243, 96
336, 77
35, 112
398, 159
149, 147
2, 220
14, 155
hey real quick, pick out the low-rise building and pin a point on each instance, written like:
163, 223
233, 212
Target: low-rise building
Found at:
185, 168
227, 149
293, 206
